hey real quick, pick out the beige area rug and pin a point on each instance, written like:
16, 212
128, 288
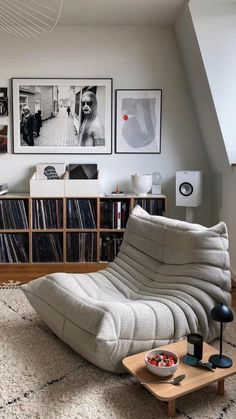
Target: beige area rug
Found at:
40, 377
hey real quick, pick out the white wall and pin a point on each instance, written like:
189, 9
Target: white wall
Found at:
135, 57
215, 27
195, 38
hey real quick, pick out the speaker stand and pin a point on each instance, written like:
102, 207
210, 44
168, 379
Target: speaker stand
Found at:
189, 214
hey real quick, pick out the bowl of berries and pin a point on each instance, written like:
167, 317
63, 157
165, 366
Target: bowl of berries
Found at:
161, 362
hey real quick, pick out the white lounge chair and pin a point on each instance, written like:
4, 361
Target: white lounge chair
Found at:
162, 285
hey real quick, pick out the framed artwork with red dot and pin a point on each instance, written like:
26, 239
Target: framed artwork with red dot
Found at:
138, 121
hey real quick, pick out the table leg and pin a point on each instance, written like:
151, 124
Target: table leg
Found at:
171, 408
220, 390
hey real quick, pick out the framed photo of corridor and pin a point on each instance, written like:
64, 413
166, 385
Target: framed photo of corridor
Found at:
62, 116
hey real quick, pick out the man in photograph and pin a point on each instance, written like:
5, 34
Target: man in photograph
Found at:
68, 110
91, 132
3, 102
39, 122
28, 126
3, 107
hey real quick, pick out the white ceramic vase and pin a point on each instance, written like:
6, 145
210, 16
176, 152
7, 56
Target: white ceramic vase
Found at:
141, 184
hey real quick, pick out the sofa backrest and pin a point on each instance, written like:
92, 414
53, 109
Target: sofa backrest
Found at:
176, 242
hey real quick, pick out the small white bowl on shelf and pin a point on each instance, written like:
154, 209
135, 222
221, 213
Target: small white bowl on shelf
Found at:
162, 370
141, 184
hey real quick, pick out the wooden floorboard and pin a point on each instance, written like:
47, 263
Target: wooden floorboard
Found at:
26, 272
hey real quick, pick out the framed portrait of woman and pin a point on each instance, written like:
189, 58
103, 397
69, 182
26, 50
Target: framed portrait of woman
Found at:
62, 116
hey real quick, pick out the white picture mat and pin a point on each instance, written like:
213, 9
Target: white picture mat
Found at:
121, 144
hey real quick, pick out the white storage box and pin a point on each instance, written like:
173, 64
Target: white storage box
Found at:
81, 187
46, 187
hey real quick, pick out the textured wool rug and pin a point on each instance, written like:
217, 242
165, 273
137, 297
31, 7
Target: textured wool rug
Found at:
40, 377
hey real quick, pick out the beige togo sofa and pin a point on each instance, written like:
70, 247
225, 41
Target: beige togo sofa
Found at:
162, 285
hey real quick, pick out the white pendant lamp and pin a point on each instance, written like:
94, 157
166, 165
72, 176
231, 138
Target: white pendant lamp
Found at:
29, 18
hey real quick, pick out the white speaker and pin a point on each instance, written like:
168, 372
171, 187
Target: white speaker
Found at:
188, 188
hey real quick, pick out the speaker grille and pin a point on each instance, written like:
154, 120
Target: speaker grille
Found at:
186, 189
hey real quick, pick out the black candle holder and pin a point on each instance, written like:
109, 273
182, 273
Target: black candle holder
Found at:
195, 345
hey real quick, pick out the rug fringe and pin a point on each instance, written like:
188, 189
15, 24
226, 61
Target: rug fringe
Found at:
10, 285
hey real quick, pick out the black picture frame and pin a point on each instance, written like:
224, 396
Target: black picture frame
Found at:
62, 132
138, 114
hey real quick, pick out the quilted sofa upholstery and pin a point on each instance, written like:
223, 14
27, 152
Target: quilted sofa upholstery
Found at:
162, 285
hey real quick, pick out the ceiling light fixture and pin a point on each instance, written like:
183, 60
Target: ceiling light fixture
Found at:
29, 18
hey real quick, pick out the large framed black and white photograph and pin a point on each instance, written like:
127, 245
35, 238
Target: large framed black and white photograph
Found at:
138, 121
67, 116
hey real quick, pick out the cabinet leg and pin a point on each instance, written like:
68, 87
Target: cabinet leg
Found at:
221, 387
171, 408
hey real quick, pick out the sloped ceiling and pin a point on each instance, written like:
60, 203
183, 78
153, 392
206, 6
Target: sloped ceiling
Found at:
118, 12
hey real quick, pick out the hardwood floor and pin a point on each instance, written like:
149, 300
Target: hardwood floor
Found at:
27, 272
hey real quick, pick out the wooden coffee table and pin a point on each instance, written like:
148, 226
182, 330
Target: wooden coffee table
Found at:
195, 379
